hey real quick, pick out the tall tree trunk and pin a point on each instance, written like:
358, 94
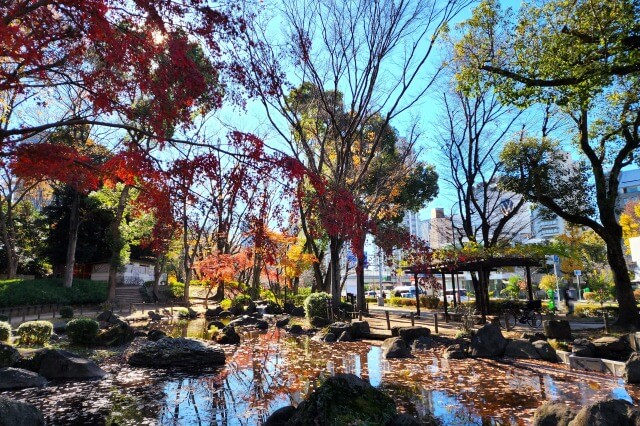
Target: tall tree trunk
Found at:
334, 248
9, 240
116, 242
255, 279
295, 285
628, 311
361, 301
74, 224
158, 267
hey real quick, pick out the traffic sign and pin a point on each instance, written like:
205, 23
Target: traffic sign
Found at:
577, 272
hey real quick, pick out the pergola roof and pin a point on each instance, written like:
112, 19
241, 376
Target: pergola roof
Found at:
477, 265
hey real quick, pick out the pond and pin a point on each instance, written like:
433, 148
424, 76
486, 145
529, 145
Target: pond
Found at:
272, 369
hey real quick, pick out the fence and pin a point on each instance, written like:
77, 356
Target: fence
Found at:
51, 311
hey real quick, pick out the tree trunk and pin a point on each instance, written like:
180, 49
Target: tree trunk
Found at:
361, 301
116, 242
628, 311
295, 285
334, 248
255, 280
74, 224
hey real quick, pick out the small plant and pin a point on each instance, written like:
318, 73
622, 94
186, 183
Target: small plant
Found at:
226, 304
315, 305
467, 319
558, 345
241, 300
82, 331
66, 312
183, 313
35, 332
5, 331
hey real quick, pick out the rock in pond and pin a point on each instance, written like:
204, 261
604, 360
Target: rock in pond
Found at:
18, 378
338, 328
488, 342
118, 334
217, 324
225, 314
557, 329
227, 336
409, 334
553, 414
610, 347
57, 364
282, 322
213, 312
155, 335
584, 348
456, 351
632, 369
360, 329
423, 344
180, 352
612, 412
295, 329
395, 347
8, 355
344, 399
280, 417
154, 316
545, 350
14, 413
345, 336
521, 349
329, 338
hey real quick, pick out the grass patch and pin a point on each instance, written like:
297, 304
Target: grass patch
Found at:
45, 291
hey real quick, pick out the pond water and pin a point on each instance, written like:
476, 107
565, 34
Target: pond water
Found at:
270, 370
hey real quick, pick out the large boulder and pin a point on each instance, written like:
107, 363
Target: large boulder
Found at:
227, 336
488, 342
632, 368
583, 348
295, 329
117, 334
545, 350
319, 322
213, 312
409, 334
345, 336
423, 344
360, 329
18, 378
344, 399
8, 355
243, 321
610, 347
338, 328
557, 329
280, 417
612, 412
180, 352
57, 364
521, 349
13, 413
395, 347
155, 335
282, 322
456, 351
154, 316
553, 414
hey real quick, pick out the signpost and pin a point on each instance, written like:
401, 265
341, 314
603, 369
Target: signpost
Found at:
555, 261
578, 274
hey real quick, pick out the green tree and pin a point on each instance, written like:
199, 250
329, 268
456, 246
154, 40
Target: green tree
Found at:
581, 60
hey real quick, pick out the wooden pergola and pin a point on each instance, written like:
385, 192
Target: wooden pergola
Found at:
483, 268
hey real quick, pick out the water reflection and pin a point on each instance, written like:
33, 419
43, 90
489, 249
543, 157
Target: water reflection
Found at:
271, 370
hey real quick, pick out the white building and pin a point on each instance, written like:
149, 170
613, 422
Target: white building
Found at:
628, 187
136, 272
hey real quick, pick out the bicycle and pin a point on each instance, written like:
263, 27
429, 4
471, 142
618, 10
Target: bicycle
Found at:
530, 315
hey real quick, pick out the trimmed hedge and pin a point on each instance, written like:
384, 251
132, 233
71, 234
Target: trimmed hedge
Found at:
35, 332
45, 291
82, 331
5, 331
594, 310
315, 305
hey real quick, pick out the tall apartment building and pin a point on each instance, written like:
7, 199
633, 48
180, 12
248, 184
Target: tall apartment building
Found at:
411, 222
440, 229
628, 187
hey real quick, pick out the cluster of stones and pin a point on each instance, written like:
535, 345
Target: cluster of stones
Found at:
604, 413
345, 399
